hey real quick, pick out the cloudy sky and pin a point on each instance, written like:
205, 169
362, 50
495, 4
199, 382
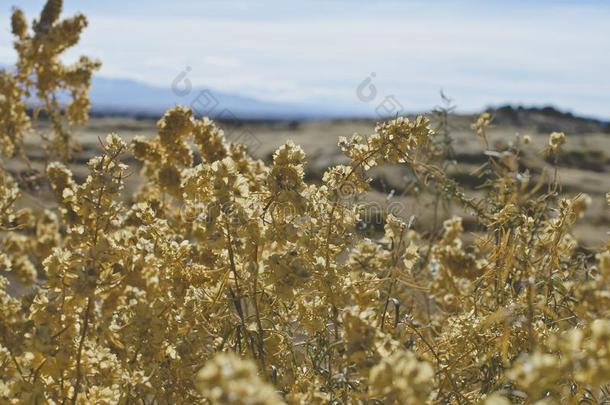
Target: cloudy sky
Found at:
479, 52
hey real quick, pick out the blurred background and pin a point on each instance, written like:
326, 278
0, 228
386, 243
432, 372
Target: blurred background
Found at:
312, 71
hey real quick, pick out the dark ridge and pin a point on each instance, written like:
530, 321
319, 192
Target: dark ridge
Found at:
538, 119
547, 119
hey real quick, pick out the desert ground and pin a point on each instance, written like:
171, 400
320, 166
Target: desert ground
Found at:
584, 165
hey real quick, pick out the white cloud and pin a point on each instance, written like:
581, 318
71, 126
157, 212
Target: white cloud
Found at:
222, 61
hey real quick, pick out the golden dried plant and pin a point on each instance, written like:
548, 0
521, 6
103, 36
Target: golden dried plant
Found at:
41, 79
227, 280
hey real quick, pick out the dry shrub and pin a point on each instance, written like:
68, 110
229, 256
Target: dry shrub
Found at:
231, 281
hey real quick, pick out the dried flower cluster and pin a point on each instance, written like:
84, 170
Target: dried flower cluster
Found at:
226, 280
59, 90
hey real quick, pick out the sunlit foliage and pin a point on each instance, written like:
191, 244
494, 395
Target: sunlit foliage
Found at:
227, 280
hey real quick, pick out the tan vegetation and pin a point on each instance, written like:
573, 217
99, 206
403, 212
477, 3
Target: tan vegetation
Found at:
225, 279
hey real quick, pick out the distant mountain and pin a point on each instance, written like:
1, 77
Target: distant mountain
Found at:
130, 97
110, 96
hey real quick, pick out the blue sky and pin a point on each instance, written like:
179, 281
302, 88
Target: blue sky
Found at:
479, 52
